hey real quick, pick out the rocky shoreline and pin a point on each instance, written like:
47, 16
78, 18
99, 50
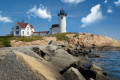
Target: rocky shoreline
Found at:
84, 40
49, 62
95, 42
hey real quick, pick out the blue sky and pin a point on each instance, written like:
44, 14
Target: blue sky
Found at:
101, 17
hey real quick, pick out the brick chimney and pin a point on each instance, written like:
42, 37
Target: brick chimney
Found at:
22, 21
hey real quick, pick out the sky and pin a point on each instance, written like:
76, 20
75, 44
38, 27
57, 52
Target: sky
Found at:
100, 17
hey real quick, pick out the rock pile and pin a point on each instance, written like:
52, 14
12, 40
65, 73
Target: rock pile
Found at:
48, 62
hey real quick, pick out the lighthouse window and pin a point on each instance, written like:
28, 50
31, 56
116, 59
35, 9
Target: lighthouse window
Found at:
61, 17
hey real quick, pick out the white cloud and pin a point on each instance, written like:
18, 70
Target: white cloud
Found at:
94, 16
72, 1
109, 11
105, 1
5, 19
117, 3
41, 12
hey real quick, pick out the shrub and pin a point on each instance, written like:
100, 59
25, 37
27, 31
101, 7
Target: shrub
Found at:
92, 35
4, 41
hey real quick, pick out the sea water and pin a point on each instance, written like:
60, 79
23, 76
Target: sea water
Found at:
110, 62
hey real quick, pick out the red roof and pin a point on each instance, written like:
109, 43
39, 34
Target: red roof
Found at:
31, 26
23, 25
42, 32
55, 25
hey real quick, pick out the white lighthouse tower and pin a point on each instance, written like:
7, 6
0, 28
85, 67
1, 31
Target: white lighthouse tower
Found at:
62, 21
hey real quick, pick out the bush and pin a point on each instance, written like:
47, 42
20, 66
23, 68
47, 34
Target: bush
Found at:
91, 35
4, 41
61, 36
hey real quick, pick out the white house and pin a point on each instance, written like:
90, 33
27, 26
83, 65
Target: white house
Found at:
25, 29
22, 29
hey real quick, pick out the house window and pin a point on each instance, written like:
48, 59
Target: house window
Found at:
61, 17
17, 32
17, 27
27, 28
23, 32
27, 33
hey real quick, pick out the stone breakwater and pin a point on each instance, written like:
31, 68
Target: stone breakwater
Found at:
48, 62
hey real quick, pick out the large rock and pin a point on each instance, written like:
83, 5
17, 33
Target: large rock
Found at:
91, 71
50, 49
46, 52
62, 59
100, 73
84, 63
75, 50
52, 43
26, 50
100, 76
93, 55
19, 66
98, 69
73, 74
84, 66
3, 54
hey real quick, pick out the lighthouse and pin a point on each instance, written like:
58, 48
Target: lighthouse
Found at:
62, 21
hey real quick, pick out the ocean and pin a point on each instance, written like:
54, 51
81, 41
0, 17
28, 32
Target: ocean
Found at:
110, 62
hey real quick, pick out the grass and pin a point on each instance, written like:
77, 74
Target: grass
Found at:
76, 35
27, 39
5, 40
61, 36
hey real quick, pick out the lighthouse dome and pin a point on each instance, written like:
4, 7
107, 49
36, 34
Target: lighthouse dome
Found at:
62, 12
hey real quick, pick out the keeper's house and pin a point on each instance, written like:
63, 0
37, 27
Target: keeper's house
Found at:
23, 29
